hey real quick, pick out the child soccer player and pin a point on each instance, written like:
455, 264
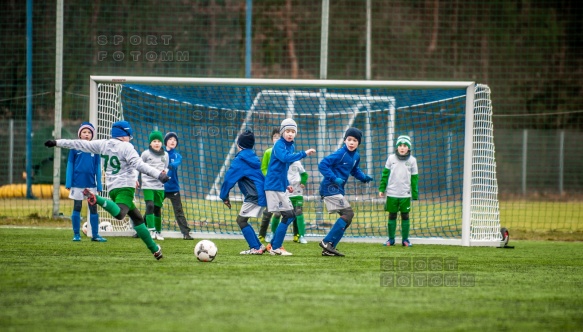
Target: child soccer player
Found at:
84, 171
120, 161
399, 183
172, 188
245, 171
336, 168
298, 178
267, 216
152, 188
276, 182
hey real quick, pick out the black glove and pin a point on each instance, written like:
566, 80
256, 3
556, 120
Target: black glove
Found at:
163, 177
227, 203
50, 143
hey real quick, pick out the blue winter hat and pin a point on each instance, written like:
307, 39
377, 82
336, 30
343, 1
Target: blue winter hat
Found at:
86, 125
353, 132
169, 135
246, 140
121, 129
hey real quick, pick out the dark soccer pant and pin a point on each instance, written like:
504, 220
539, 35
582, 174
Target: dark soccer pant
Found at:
178, 211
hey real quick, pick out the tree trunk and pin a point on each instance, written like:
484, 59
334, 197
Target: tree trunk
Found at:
290, 28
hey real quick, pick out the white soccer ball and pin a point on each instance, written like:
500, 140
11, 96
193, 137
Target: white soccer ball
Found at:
105, 226
205, 251
84, 228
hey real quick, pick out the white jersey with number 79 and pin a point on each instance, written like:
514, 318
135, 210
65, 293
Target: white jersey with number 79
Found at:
119, 160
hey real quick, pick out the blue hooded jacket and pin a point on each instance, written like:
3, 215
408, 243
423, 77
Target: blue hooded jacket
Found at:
339, 164
245, 171
83, 170
174, 160
282, 155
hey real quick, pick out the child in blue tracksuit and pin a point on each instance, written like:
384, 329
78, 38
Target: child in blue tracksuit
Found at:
245, 171
84, 171
336, 168
172, 187
276, 182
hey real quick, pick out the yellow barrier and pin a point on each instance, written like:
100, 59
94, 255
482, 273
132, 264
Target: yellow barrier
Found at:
38, 191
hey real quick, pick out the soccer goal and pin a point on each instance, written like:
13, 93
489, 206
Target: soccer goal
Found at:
450, 124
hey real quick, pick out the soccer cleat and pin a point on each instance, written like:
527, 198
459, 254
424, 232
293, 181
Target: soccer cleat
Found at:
329, 247
268, 248
98, 238
280, 252
269, 237
254, 251
158, 236
297, 238
407, 243
158, 254
135, 236
303, 240
187, 237
389, 243
76, 237
261, 238
91, 199
326, 253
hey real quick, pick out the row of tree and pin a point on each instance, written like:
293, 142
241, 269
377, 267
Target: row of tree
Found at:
529, 52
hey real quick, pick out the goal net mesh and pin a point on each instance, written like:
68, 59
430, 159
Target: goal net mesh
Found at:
208, 119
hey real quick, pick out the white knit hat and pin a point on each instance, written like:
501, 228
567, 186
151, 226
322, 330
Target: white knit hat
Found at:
288, 124
404, 139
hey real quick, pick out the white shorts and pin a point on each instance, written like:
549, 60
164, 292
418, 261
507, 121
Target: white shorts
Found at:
336, 203
77, 193
251, 210
278, 201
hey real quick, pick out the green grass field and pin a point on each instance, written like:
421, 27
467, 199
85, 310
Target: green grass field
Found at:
534, 220
49, 283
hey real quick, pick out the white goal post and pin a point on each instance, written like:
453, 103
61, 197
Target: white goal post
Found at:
450, 124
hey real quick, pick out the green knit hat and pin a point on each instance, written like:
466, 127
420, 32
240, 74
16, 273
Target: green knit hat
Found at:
156, 135
403, 139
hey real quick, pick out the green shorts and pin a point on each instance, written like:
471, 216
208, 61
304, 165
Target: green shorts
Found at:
398, 204
154, 195
297, 201
123, 196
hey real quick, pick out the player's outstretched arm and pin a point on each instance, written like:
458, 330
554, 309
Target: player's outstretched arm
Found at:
77, 144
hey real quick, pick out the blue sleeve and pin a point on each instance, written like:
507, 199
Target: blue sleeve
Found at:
357, 172
285, 156
177, 161
98, 172
230, 179
325, 166
70, 167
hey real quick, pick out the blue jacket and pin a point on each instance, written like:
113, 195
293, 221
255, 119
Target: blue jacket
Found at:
339, 164
245, 171
174, 160
83, 170
282, 155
